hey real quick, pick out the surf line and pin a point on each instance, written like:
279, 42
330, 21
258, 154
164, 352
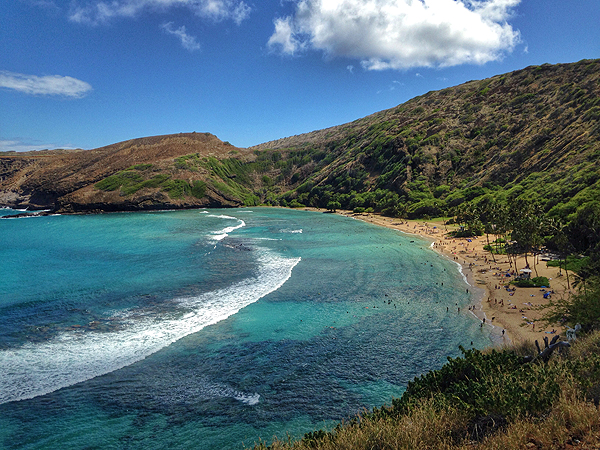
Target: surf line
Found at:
70, 358
222, 234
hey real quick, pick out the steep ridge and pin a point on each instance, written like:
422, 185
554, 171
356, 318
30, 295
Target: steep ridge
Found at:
535, 131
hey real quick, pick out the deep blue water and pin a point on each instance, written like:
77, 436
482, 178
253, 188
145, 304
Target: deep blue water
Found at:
212, 329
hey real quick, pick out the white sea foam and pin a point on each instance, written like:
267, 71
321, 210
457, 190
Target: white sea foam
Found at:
460, 269
222, 234
252, 399
222, 216
72, 357
287, 230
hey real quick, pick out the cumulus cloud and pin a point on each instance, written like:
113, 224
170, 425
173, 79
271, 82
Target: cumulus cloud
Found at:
400, 34
44, 85
284, 37
96, 12
189, 42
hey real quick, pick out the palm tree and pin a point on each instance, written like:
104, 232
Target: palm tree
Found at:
528, 227
485, 210
563, 245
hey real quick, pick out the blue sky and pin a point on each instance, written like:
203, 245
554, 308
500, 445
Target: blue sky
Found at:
88, 73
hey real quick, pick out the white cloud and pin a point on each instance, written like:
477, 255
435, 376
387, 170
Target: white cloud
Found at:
284, 38
95, 12
400, 34
240, 12
18, 145
44, 85
46, 4
189, 42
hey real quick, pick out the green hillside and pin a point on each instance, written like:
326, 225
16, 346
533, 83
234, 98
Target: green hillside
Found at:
532, 133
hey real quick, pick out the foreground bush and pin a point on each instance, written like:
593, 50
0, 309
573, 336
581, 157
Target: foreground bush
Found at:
483, 400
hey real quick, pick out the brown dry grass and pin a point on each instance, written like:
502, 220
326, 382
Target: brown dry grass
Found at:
573, 423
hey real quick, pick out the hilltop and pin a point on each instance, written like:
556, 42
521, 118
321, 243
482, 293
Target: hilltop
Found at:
533, 132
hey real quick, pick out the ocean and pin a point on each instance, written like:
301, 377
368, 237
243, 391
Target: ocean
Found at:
213, 329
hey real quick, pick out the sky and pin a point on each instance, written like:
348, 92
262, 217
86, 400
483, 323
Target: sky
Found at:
89, 73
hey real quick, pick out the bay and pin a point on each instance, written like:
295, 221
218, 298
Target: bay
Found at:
213, 329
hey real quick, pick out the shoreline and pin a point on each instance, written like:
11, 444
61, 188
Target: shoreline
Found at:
510, 314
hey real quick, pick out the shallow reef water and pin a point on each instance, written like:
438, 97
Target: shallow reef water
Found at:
208, 329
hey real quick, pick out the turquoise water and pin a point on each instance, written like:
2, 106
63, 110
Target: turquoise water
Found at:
213, 329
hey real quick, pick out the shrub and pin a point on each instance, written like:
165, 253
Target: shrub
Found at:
496, 383
467, 233
472, 397
156, 181
541, 281
124, 178
199, 189
333, 206
533, 282
177, 188
141, 167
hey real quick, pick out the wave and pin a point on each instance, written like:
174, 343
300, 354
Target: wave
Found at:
248, 399
460, 270
222, 234
222, 216
72, 357
169, 390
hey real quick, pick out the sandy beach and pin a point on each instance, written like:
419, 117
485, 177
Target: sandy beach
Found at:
511, 313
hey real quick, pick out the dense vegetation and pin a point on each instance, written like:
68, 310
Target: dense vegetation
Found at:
529, 134
132, 180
